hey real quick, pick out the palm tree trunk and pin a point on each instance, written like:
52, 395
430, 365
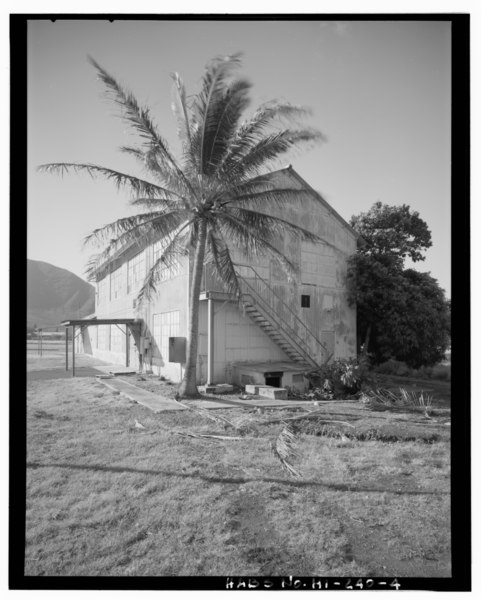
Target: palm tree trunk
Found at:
188, 387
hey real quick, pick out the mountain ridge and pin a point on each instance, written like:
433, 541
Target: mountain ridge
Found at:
55, 294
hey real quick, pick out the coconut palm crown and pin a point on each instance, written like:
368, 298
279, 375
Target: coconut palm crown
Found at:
215, 197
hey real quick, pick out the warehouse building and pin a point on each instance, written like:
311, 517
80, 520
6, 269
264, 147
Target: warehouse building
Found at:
278, 330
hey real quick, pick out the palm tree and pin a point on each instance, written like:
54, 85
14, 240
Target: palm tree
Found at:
216, 197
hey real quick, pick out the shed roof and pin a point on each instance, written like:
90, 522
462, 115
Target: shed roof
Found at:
95, 321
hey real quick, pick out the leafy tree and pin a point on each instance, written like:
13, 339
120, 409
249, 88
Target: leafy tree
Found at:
422, 323
394, 231
401, 313
214, 197
374, 284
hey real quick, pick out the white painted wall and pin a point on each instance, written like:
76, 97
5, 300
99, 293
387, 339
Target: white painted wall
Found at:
236, 339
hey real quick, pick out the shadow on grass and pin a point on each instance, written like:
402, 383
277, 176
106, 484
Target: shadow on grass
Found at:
239, 480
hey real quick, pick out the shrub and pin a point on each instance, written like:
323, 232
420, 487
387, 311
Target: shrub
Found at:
393, 367
396, 367
341, 377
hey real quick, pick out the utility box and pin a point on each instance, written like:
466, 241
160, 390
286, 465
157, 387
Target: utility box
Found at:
177, 352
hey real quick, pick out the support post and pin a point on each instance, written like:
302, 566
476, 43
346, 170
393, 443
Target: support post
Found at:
66, 348
210, 341
73, 350
127, 346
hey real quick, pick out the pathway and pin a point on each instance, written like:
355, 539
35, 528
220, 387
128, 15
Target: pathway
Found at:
159, 403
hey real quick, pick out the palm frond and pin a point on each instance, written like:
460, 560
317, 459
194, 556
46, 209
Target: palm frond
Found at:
139, 118
160, 224
251, 132
137, 186
181, 113
157, 203
224, 116
149, 160
176, 247
129, 231
272, 110
225, 190
132, 113
285, 448
269, 149
136, 152
92, 266
218, 251
143, 235
257, 220
205, 104
272, 196
253, 243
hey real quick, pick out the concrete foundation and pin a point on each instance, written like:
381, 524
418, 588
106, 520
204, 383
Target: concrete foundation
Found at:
283, 374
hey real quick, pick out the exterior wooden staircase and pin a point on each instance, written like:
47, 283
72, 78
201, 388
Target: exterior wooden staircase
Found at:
267, 310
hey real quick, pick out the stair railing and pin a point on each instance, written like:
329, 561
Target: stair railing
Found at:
283, 315
290, 336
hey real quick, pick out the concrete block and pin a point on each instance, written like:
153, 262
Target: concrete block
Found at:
208, 389
255, 387
273, 392
219, 388
224, 388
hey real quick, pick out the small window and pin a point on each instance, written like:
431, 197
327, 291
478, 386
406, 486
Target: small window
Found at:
305, 301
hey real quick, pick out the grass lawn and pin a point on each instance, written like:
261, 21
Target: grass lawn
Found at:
107, 498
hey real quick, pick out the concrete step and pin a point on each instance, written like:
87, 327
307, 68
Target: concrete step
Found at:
216, 388
267, 391
273, 393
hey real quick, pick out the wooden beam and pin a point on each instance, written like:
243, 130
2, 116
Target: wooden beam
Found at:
66, 348
73, 350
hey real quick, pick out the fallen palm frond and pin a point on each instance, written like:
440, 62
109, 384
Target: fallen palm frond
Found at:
311, 415
328, 432
190, 434
205, 435
285, 449
413, 398
248, 423
381, 398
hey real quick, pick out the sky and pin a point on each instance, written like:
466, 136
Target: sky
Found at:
379, 91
